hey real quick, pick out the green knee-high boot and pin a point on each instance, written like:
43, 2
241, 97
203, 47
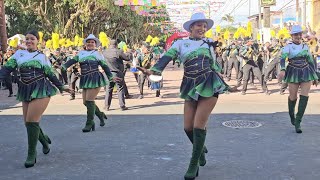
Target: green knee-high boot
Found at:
100, 115
90, 116
291, 107
33, 131
199, 137
202, 159
45, 141
303, 101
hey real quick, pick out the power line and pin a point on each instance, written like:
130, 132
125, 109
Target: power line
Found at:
228, 2
235, 8
229, 13
285, 5
238, 6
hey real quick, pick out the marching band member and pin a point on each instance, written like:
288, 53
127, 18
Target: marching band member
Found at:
298, 70
34, 90
91, 79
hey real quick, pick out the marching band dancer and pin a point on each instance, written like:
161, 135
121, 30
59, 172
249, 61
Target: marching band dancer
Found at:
91, 79
200, 87
34, 90
298, 70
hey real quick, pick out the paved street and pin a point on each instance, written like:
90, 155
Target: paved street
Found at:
148, 142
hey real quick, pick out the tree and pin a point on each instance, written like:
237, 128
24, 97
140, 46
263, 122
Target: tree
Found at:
19, 23
82, 17
228, 18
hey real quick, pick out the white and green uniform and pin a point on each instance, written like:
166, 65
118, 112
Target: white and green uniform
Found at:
298, 63
200, 68
36, 75
89, 62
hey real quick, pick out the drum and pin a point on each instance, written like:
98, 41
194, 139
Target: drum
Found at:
155, 82
318, 62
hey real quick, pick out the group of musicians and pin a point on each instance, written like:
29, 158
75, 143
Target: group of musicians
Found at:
251, 60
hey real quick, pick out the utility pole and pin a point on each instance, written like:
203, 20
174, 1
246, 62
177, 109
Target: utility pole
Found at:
209, 10
3, 29
259, 18
297, 11
305, 13
266, 24
249, 8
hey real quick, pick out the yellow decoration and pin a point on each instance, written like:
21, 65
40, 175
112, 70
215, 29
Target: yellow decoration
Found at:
125, 48
14, 42
209, 34
236, 35
249, 28
55, 40
80, 42
68, 43
218, 29
272, 33
149, 38
49, 44
258, 36
283, 33
62, 42
76, 40
242, 31
40, 36
104, 39
154, 41
247, 34
226, 35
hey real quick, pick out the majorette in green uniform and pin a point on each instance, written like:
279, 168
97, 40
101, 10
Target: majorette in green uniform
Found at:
91, 79
201, 85
36, 85
298, 70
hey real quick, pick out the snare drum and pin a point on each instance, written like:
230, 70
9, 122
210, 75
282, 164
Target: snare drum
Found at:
318, 62
155, 82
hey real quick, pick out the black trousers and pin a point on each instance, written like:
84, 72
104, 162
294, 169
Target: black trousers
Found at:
141, 80
256, 72
240, 74
120, 90
220, 61
73, 78
125, 88
240, 77
233, 62
271, 67
8, 83
61, 75
225, 65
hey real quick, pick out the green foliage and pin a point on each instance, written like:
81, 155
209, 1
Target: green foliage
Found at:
231, 29
83, 17
228, 18
20, 23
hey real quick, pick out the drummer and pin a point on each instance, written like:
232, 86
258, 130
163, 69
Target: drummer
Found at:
144, 60
157, 51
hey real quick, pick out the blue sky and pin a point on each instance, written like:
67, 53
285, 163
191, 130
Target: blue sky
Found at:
240, 13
